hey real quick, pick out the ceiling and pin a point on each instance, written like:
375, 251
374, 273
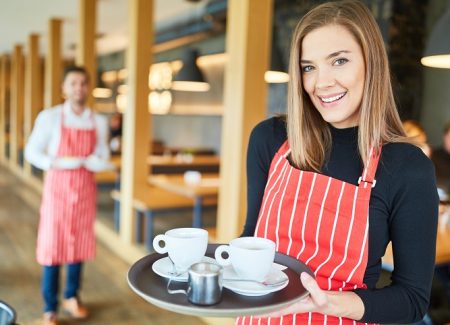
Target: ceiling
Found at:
20, 18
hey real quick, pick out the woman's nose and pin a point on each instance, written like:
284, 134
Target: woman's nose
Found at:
325, 78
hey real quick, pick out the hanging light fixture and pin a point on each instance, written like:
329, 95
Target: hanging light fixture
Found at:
102, 90
277, 72
190, 77
437, 52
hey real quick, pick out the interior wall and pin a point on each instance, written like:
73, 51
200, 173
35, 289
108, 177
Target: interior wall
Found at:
405, 45
436, 92
188, 131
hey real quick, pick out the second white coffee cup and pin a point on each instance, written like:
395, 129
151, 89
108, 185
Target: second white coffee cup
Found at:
251, 257
185, 246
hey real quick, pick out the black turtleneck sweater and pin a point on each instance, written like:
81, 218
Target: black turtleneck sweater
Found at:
403, 209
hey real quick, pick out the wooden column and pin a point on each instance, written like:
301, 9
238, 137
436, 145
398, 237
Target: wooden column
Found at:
4, 104
86, 51
136, 131
33, 89
17, 102
2, 111
249, 26
53, 65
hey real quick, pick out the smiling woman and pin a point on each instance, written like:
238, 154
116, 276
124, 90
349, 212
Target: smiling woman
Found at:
337, 179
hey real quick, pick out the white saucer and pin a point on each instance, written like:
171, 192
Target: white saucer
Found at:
253, 288
163, 266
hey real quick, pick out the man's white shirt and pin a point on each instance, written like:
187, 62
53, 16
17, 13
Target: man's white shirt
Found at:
43, 143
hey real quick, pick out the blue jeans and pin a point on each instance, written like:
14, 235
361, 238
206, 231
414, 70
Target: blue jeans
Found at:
50, 284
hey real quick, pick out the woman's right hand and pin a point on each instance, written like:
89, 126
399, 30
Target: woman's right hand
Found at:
334, 303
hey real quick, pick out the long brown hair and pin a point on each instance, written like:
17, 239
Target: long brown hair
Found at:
309, 135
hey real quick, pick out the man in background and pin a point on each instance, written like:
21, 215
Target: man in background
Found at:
67, 141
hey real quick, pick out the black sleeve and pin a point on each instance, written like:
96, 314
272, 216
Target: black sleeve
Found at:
264, 142
412, 230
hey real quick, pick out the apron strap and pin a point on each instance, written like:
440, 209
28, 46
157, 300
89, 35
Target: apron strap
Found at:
368, 176
93, 120
62, 116
284, 150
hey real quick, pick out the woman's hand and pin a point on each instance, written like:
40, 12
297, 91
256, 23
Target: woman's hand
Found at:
316, 301
335, 303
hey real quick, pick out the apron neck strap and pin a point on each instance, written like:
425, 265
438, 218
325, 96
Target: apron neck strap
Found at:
370, 169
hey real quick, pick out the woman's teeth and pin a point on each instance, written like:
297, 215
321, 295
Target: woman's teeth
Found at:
332, 99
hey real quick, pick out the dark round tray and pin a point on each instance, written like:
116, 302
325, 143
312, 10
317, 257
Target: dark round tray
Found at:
152, 287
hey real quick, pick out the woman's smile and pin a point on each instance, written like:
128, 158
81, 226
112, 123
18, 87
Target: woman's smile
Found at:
332, 99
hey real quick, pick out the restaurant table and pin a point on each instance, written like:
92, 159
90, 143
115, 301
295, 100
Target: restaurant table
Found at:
182, 160
442, 249
208, 187
178, 163
108, 179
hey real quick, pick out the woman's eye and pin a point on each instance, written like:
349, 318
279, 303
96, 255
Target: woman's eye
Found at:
340, 61
307, 68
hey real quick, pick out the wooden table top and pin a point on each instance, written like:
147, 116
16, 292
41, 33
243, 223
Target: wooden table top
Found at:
442, 247
175, 161
208, 186
181, 160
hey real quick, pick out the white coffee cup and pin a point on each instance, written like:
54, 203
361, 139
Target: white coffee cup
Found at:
192, 177
251, 257
185, 246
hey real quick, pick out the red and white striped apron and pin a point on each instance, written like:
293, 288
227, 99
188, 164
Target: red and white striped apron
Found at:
321, 221
66, 227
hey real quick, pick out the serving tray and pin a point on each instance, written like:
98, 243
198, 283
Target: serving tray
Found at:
152, 287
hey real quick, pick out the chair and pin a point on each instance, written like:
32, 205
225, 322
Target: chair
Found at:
7, 314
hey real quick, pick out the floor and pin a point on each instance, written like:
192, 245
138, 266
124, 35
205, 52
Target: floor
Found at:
105, 291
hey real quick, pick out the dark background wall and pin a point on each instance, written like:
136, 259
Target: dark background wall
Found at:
406, 46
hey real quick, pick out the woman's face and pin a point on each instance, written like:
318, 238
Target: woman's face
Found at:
333, 72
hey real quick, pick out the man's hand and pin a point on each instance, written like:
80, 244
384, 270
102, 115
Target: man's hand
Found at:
95, 164
66, 163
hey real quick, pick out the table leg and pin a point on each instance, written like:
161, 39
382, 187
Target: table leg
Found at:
197, 221
117, 182
149, 230
117, 215
139, 226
